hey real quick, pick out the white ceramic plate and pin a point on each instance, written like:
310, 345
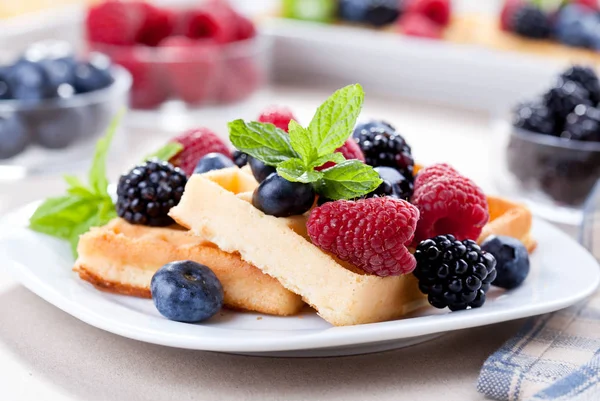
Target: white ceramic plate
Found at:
562, 274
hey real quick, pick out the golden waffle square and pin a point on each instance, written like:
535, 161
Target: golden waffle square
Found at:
122, 258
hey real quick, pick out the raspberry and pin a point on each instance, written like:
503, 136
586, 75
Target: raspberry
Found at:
197, 143
436, 170
115, 22
245, 28
372, 234
449, 204
193, 70
278, 116
350, 150
158, 24
591, 4
419, 26
149, 89
437, 11
240, 77
508, 10
215, 20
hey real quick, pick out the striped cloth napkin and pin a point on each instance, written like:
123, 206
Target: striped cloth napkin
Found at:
556, 356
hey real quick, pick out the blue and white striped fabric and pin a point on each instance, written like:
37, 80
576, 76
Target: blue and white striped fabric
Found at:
556, 356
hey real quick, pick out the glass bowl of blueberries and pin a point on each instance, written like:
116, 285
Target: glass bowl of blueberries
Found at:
207, 54
53, 107
550, 154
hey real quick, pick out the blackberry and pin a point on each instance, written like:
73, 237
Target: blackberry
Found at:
531, 22
381, 12
383, 146
454, 274
239, 158
587, 78
536, 117
148, 192
564, 96
583, 124
367, 125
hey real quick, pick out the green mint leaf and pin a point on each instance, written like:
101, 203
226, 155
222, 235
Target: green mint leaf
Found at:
97, 174
334, 120
78, 188
294, 170
336, 157
300, 142
166, 152
348, 180
264, 142
57, 216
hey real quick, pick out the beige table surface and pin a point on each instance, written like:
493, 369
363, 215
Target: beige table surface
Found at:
48, 355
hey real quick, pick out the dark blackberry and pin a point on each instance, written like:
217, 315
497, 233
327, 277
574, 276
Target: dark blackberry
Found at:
383, 146
239, 158
531, 22
536, 117
563, 97
583, 124
149, 191
454, 274
381, 12
587, 78
369, 124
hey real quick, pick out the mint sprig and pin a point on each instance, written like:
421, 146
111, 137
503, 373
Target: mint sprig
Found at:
166, 152
84, 205
297, 154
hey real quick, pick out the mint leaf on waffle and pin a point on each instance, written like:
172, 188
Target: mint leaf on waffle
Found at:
297, 155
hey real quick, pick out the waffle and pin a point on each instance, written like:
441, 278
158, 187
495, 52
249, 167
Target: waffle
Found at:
122, 258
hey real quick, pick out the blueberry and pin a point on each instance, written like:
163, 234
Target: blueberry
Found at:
279, 197
366, 126
5, 92
57, 129
575, 26
212, 161
394, 184
27, 81
260, 171
512, 260
60, 74
94, 74
352, 10
14, 137
186, 291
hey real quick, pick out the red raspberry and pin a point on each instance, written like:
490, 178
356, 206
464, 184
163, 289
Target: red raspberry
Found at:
419, 26
192, 68
592, 4
158, 24
350, 150
372, 234
115, 22
197, 143
449, 204
214, 20
438, 11
240, 78
149, 89
434, 171
245, 28
508, 10
278, 116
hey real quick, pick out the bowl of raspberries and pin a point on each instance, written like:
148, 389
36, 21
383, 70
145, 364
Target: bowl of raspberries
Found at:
202, 55
551, 152
54, 105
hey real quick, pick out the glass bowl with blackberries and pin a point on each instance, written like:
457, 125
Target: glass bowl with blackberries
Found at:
181, 58
54, 106
549, 154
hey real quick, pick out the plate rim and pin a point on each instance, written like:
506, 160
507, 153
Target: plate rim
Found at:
330, 337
